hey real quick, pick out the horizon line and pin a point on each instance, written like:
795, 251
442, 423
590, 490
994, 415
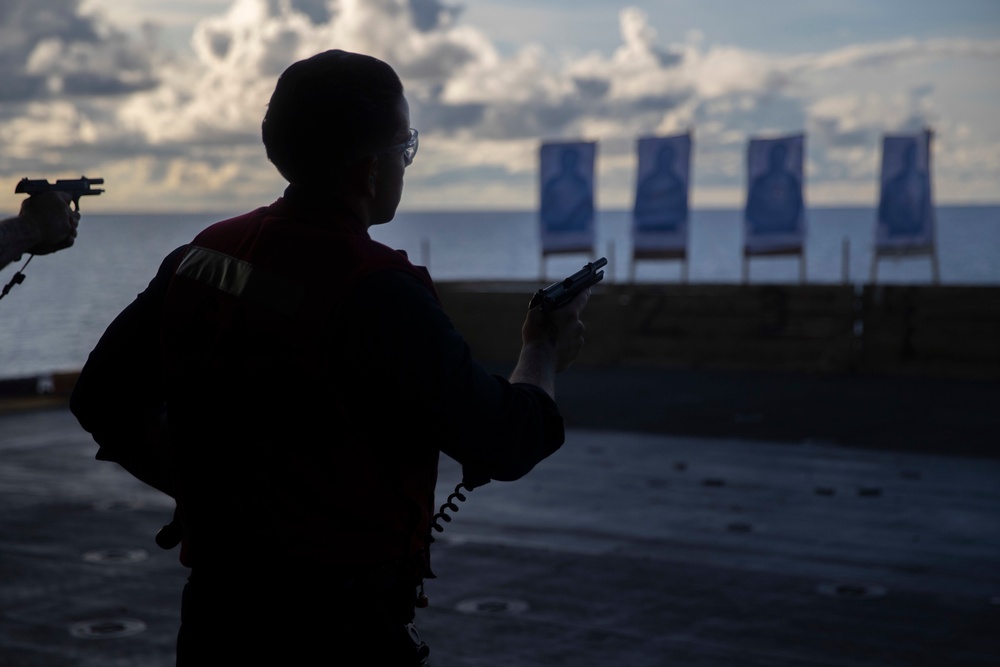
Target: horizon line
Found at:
609, 209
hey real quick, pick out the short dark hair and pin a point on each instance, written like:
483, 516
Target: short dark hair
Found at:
327, 111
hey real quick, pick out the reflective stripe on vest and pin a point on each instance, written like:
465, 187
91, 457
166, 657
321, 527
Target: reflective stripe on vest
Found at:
241, 279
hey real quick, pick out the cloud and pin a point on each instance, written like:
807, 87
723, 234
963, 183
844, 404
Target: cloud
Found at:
76, 90
429, 15
48, 49
885, 54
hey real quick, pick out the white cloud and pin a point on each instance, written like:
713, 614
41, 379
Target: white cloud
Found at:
891, 53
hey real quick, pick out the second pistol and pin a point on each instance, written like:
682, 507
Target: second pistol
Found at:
75, 188
561, 293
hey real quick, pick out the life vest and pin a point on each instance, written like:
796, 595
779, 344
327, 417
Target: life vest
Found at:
269, 457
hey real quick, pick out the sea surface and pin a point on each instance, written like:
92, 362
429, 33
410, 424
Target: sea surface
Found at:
52, 320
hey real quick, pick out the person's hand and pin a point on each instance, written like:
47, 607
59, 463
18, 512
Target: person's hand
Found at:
561, 328
50, 216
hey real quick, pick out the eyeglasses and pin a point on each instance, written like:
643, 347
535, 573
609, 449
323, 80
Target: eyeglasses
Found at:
408, 148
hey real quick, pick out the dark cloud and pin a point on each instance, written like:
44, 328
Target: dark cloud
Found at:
520, 122
48, 47
18, 87
429, 15
776, 81
593, 88
537, 118
221, 138
661, 103
84, 157
436, 64
434, 115
668, 58
552, 119
24, 22
218, 42
97, 83
318, 11
915, 122
829, 132
748, 115
276, 56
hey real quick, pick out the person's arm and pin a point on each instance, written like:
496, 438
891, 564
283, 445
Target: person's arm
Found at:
16, 236
45, 225
415, 367
549, 344
119, 396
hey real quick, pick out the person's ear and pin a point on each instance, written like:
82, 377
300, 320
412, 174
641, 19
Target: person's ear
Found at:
361, 177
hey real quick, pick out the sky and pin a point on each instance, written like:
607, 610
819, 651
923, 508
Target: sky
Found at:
164, 98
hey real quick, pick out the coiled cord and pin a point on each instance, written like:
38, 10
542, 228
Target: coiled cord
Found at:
449, 504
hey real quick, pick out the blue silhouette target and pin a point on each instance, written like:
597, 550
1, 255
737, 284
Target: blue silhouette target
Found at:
567, 196
775, 209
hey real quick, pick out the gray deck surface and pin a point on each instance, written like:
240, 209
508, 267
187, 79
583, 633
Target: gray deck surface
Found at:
628, 547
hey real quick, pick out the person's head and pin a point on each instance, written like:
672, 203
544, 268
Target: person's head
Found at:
777, 157
333, 114
665, 158
568, 160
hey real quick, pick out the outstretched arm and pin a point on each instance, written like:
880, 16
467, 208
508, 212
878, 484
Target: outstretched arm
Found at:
45, 224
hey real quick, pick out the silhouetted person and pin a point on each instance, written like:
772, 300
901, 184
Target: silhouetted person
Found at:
906, 197
45, 225
774, 204
291, 383
661, 202
567, 202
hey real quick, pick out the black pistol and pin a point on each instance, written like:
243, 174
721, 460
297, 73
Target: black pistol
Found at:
75, 187
559, 294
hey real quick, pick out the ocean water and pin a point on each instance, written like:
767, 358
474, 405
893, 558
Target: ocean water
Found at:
52, 320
